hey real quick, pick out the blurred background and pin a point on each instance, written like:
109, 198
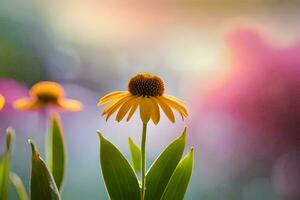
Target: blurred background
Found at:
237, 64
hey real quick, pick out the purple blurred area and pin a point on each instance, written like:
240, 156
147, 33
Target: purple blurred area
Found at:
236, 63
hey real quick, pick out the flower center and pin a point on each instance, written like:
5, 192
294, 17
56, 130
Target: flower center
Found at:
47, 92
146, 85
45, 98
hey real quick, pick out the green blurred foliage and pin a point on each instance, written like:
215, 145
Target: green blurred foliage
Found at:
18, 58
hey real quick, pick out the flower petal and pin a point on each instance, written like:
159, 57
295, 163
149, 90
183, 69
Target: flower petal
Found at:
145, 109
2, 101
70, 104
25, 104
111, 96
115, 106
48, 88
135, 104
176, 105
175, 99
155, 116
166, 108
125, 108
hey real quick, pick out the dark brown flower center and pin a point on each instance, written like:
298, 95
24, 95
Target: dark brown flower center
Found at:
146, 85
45, 98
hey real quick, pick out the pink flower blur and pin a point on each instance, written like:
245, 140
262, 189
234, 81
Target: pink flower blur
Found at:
263, 90
262, 96
11, 90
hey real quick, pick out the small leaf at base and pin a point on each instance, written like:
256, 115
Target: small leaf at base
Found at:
119, 177
135, 155
179, 181
19, 186
5, 164
4, 175
56, 151
162, 169
42, 184
10, 135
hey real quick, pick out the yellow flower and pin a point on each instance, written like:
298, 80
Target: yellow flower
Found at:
145, 91
2, 102
47, 94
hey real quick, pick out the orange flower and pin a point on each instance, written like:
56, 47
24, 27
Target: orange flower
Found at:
145, 91
47, 94
2, 102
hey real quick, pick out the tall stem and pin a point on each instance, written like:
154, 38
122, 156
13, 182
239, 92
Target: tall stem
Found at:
41, 128
143, 149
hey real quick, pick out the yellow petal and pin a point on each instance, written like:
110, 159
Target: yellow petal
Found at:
176, 105
135, 104
2, 101
25, 104
166, 108
113, 103
115, 106
175, 98
110, 97
47, 88
125, 108
145, 109
155, 116
70, 104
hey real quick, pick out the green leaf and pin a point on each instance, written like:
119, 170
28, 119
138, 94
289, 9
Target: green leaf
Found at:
10, 135
119, 177
179, 181
5, 165
19, 186
162, 169
135, 155
4, 175
56, 151
42, 185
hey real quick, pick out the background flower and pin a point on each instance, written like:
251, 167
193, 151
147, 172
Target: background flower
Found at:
2, 102
47, 94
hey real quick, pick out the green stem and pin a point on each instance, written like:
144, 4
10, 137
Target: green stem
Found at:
143, 149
